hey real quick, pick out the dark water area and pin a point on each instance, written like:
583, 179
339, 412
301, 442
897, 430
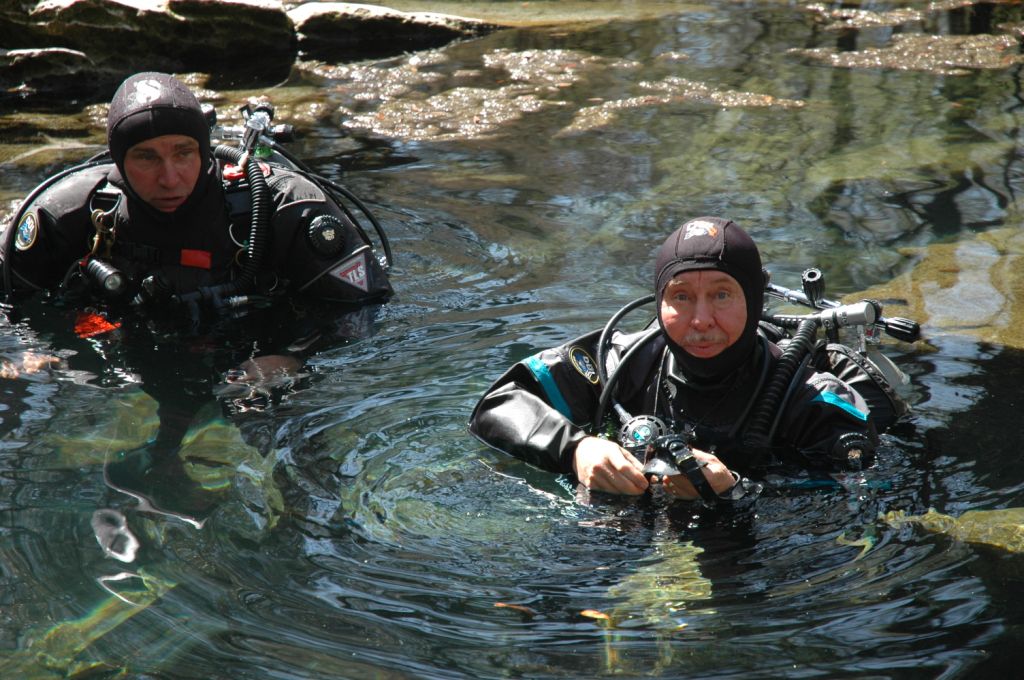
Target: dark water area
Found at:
344, 524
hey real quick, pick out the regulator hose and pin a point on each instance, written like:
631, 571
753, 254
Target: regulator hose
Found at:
609, 327
609, 385
259, 226
772, 399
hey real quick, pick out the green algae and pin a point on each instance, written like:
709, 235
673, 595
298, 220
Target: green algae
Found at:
998, 528
659, 595
65, 649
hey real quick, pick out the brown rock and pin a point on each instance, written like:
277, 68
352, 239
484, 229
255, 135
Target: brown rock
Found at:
344, 30
86, 47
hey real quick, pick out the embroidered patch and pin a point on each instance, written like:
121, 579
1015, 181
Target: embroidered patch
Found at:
28, 230
353, 272
583, 364
700, 228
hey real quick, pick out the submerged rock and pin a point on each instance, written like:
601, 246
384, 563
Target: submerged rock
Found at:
662, 589
952, 55
661, 595
846, 17
973, 287
533, 82
65, 649
461, 113
674, 91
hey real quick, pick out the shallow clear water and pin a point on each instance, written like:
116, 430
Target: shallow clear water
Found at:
353, 528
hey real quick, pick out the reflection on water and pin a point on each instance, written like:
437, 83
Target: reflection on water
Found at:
336, 520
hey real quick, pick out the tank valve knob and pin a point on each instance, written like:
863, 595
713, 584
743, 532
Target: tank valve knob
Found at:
814, 285
906, 330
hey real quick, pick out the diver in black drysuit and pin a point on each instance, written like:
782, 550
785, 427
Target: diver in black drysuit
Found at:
310, 245
257, 264
545, 406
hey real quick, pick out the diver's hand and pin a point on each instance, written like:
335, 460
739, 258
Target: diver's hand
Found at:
718, 476
30, 363
603, 465
268, 369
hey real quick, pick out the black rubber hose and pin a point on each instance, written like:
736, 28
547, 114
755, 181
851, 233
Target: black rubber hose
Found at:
757, 434
259, 225
609, 384
793, 384
609, 327
385, 243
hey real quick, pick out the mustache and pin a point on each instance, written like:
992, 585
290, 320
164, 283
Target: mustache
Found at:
703, 338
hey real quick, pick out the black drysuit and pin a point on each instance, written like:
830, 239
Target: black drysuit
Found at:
199, 246
543, 406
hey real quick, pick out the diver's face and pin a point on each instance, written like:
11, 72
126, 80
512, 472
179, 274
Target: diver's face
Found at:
704, 312
163, 170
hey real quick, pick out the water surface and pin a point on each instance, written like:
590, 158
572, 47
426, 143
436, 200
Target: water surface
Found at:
351, 526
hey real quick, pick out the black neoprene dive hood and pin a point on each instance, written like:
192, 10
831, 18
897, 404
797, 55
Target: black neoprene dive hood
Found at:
149, 105
713, 243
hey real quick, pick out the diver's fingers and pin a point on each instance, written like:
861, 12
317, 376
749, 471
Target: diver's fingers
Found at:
680, 487
620, 475
718, 475
604, 465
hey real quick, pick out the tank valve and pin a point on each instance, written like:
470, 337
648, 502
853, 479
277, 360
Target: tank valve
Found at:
814, 285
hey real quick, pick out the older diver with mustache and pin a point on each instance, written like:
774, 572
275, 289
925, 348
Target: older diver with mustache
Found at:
701, 375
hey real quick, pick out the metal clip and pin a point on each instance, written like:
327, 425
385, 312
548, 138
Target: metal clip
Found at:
104, 232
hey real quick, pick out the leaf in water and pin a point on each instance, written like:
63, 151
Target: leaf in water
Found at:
865, 543
594, 614
517, 607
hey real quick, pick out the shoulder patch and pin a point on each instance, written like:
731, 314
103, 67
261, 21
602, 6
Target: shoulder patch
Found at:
353, 271
583, 363
28, 230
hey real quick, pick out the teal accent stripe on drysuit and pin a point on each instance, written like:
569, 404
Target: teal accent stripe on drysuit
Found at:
836, 400
541, 371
